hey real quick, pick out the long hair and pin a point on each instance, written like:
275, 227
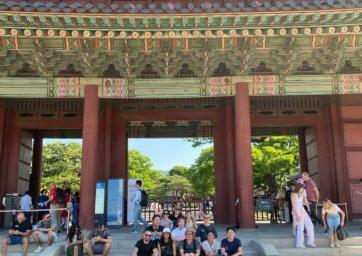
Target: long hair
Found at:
74, 231
298, 187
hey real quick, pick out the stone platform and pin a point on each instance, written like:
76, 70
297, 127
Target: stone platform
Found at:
266, 239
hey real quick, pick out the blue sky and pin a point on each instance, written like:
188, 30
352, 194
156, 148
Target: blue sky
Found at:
164, 153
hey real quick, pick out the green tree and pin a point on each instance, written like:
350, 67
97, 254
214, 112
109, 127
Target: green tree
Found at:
202, 175
175, 186
62, 164
179, 170
275, 160
141, 167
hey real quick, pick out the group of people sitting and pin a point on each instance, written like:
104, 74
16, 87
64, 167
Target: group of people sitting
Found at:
22, 231
183, 237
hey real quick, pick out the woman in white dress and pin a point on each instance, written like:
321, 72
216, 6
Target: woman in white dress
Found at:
301, 218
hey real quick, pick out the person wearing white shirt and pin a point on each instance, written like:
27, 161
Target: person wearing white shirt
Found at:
210, 246
137, 210
179, 233
26, 204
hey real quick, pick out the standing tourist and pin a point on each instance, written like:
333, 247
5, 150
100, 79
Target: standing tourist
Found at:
166, 247
335, 217
145, 247
231, 246
19, 233
26, 204
312, 196
204, 228
137, 210
42, 198
53, 201
67, 203
301, 218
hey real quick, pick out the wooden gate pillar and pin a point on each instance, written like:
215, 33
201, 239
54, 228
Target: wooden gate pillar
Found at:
89, 156
243, 160
35, 177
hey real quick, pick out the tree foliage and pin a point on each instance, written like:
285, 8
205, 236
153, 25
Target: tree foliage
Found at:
201, 173
62, 164
275, 160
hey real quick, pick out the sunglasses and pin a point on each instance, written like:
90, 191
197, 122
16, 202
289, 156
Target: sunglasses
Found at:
147, 235
47, 217
206, 218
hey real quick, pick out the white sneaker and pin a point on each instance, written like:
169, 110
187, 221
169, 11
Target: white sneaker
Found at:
39, 249
311, 245
338, 245
331, 245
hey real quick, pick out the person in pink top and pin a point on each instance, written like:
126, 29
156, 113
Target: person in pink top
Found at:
312, 196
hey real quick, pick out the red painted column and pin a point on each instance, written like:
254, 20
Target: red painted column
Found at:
35, 177
119, 148
302, 151
11, 154
339, 155
219, 167
230, 160
107, 140
243, 160
2, 141
89, 156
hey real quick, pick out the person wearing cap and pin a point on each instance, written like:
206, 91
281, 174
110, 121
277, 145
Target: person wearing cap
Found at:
190, 246
166, 247
301, 218
145, 247
155, 228
99, 241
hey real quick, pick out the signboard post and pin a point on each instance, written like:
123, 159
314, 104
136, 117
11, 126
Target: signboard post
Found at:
131, 195
100, 202
115, 204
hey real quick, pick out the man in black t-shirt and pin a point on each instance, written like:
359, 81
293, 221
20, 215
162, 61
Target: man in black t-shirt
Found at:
231, 245
145, 247
155, 228
18, 234
204, 228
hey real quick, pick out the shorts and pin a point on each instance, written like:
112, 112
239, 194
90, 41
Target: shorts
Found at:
44, 237
98, 248
15, 239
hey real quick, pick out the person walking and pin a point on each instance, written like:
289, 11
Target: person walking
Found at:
335, 218
137, 210
301, 218
312, 196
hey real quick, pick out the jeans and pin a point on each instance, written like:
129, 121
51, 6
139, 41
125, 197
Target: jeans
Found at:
313, 212
137, 217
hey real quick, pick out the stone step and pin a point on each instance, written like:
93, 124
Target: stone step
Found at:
319, 241
322, 251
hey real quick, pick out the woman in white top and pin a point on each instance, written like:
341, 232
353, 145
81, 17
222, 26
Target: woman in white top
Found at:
301, 218
335, 217
210, 247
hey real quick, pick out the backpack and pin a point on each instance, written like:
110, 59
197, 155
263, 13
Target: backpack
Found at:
144, 199
60, 195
